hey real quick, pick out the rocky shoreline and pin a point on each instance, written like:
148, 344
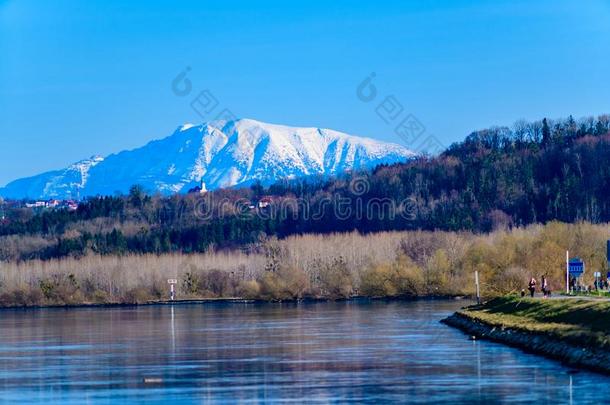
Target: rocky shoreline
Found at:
588, 358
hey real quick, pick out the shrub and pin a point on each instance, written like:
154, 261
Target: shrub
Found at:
336, 280
100, 297
285, 284
21, 298
509, 281
378, 282
271, 288
400, 278
60, 289
137, 295
190, 283
215, 282
250, 289
295, 281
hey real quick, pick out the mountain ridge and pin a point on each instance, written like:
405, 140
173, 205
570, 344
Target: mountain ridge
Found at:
217, 153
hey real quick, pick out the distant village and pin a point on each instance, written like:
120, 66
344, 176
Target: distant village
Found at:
5, 205
262, 202
52, 203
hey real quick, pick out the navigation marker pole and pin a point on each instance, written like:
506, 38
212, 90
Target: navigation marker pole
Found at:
567, 272
172, 292
476, 281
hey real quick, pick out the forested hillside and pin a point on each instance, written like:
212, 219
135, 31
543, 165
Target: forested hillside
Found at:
496, 178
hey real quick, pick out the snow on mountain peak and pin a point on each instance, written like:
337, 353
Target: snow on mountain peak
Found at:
186, 126
219, 153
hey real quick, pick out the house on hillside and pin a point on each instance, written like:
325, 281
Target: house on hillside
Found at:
265, 201
36, 204
71, 205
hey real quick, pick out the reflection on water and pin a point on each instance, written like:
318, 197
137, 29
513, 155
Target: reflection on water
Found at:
322, 352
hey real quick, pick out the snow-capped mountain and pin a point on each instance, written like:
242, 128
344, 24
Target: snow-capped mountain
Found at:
217, 153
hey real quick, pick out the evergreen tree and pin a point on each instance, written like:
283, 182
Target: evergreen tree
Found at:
546, 132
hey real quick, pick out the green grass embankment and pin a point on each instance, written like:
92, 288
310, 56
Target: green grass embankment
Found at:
575, 331
582, 322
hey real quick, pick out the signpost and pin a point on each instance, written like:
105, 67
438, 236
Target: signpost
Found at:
575, 267
172, 282
567, 272
608, 254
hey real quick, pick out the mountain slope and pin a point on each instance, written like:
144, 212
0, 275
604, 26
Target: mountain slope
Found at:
65, 183
218, 153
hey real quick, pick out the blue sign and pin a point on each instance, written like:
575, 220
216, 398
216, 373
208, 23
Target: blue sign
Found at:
576, 267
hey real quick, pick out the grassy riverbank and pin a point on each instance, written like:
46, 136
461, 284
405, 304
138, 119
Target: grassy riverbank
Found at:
582, 321
576, 331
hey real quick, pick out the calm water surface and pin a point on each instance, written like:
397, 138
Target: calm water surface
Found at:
237, 353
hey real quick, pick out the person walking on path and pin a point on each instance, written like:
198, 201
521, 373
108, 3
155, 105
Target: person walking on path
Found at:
544, 286
532, 286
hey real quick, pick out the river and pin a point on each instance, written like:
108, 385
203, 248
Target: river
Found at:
259, 353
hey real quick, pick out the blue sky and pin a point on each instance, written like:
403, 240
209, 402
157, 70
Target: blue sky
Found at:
79, 78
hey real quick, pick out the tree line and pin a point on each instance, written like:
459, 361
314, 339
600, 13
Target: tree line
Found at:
340, 265
501, 177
